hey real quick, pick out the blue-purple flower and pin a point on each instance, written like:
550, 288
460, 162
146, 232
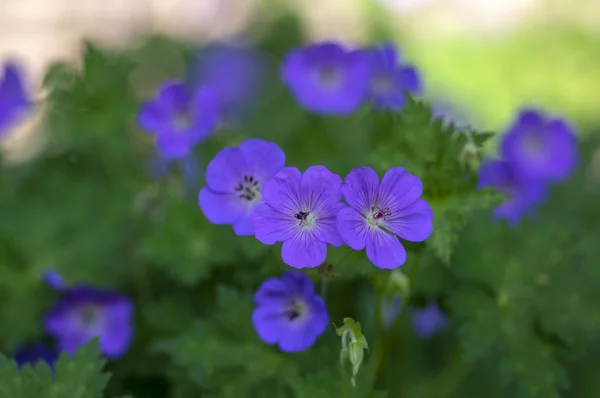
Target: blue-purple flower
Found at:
179, 118
428, 320
34, 353
540, 148
326, 78
84, 313
14, 102
289, 313
53, 279
235, 179
522, 194
300, 210
380, 213
389, 78
234, 72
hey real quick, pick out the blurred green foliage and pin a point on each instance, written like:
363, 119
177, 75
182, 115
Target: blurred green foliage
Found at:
523, 303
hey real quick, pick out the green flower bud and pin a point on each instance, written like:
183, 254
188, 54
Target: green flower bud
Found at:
356, 355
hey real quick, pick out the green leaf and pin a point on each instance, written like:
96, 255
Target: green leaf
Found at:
78, 377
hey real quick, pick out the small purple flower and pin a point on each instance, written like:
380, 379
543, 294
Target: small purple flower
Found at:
234, 180
522, 194
35, 353
381, 213
289, 313
84, 313
53, 279
389, 78
540, 148
179, 118
234, 72
13, 98
428, 321
300, 210
327, 79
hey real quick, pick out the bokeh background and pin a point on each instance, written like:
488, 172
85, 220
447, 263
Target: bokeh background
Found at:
484, 59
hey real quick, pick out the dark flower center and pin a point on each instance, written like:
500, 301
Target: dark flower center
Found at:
533, 144
306, 218
382, 83
378, 215
89, 315
329, 76
248, 188
296, 310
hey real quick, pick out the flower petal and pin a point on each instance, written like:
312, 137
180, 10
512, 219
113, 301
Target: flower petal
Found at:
153, 118
398, 189
326, 230
269, 323
414, 223
220, 208
175, 96
409, 80
319, 187
319, 320
226, 169
244, 226
360, 188
272, 291
303, 251
352, 227
271, 226
266, 157
384, 250
173, 146
296, 340
116, 338
299, 284
282, 190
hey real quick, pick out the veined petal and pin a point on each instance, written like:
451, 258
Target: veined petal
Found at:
398, 189
220, 208
303, 251
267, 158
353, 228
360, 188
271, 226
226, 169
384, 250
414, 224
298, 284
269, 323
319, 187
282, 191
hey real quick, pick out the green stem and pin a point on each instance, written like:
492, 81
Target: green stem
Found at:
323, 287
344, 257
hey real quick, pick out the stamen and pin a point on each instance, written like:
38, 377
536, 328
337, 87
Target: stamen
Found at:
249, 188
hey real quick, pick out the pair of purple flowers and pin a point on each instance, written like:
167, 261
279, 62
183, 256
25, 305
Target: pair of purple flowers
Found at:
330, 79
249, 187
14, 102
83, 313
535, 152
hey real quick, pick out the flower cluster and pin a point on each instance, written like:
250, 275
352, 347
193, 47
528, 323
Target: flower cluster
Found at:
249, 188
330, 79
535, 151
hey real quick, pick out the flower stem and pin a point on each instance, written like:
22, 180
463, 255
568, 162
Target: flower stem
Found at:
323, 287
344, 257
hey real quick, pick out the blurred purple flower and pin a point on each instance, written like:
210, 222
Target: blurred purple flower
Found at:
289, 313
53, 279
523, 195
326, 78
380, 213
390, 309
179, 118
389, 77
84, 313
300, 210
235, 179
35, 353
428, 321
540, 148
14, 102
234, 72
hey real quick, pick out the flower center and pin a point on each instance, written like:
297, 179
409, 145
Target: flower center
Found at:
306, 218
382, 84
296, 310
377, 216
329, 77
248, 188
182, 121
89, 315
533, 144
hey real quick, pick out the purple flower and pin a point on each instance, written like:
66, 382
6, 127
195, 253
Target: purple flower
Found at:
234, 72
289, 313
380, 213
428, 321
35, 353
178, 118
540, 148
13, 99
522, 194
53, 279
84, 313
234, 180
326, 79
389, 78
300, 210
